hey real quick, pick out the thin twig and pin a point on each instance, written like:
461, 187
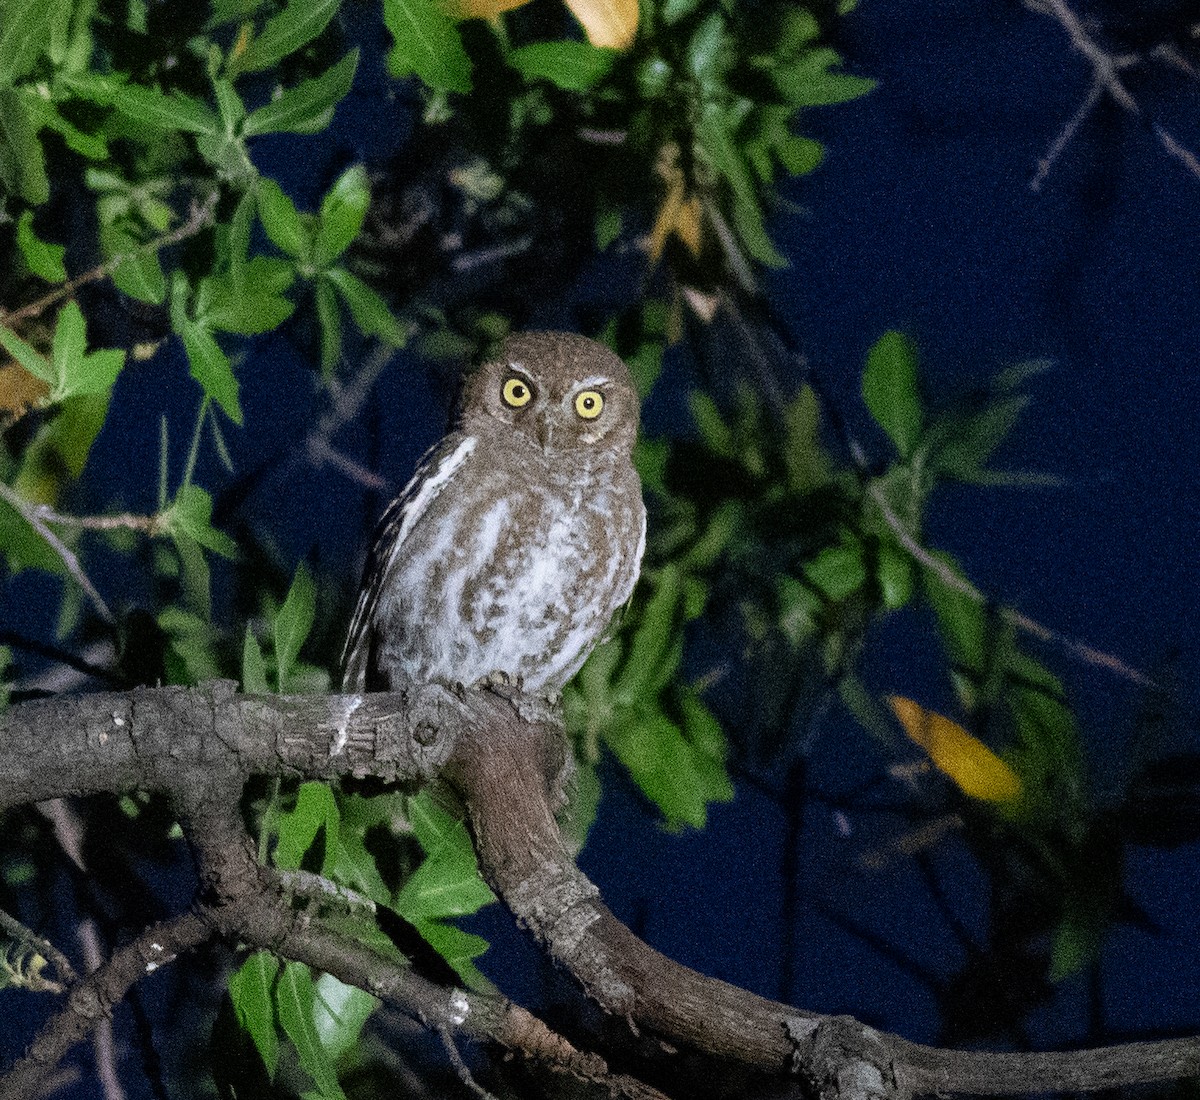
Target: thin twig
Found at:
150, 525
1106, 68
1179, 152
958, 583
311, 885
461, 1067
200, 217
322, 453
345, 402
1066, 135
29, 512
1104, 64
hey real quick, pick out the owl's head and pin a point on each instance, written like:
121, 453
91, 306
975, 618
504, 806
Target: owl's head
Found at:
557, 391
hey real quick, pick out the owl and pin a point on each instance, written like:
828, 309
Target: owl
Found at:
520, 534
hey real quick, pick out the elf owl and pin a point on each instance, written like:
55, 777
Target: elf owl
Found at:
520, 534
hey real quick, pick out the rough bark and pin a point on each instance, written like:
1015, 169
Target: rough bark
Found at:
503, 753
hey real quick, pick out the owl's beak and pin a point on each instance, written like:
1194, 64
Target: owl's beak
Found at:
545, 431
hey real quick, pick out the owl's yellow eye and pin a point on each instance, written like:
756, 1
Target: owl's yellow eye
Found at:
516, 393
589, 403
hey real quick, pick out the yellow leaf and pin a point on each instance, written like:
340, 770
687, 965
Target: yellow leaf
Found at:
611, 23
977, 771
19, 391
680, 213
479, 9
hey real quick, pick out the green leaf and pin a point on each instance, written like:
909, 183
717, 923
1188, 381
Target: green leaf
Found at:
191, 514
457, 947
808, 82
1075, 944
45, 113
721, 151
342, 212
837, 571
298, 24
889, 388
427, 43
191, 658
250, 990
656, 646
895, 577
339, 1013
254, 667
293, 623
962, 619
140, 275
675, 10
230, 105
570, 65
25, 29
282, 221
22, 162
176, 111
210, 367
29, 357
76, 372
45, 260
708, 48
316, 809
308, 107
294, 997
715, 433
799, 27
664, 766
969, 442
800, 155
608, 228
370, 312
249, 304
447, 883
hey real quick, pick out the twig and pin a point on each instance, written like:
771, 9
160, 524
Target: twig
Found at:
93, 1000
1022, 622
150, 525
461, 1067
321, 452
200, 217
1179, 152
1104, 64
29, 512
311, 885
64, 657
1106, 68
1065, 135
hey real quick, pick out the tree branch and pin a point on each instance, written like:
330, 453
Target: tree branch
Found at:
501, 750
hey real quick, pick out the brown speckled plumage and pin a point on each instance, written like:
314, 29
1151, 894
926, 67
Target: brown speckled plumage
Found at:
520, 534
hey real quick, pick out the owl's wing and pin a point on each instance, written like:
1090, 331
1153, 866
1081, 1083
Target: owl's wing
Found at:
433, 474
618, 616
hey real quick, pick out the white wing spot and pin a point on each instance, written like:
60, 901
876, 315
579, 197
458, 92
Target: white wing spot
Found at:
342, 723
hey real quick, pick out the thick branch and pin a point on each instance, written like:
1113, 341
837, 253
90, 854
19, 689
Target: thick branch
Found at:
500, 772
170, 739
501, 749
94, 998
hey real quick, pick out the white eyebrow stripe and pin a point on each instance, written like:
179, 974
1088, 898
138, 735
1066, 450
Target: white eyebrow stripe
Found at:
593, 381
